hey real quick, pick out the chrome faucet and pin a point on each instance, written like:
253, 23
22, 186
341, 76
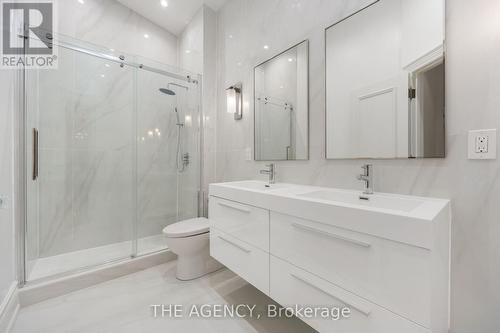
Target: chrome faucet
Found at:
367, 177
271, 171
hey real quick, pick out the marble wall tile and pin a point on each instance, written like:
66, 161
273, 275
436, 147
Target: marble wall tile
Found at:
191, 44
199, 37
110, 24
473, 78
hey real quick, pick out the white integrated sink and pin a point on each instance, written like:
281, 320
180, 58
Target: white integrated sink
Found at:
258, 185
380, 201
320, 202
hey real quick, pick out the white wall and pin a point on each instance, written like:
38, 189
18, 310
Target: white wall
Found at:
473, 83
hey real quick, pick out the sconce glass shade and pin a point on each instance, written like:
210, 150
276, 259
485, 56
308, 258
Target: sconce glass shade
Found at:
231, 100
234, 101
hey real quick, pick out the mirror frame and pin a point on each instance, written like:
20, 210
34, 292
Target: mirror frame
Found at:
307, 157
444, 46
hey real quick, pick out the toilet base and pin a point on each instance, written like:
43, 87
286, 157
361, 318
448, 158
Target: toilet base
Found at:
192, 267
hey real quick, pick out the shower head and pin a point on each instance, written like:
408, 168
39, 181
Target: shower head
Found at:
167, 91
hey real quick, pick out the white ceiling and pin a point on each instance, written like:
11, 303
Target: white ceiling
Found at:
176, 16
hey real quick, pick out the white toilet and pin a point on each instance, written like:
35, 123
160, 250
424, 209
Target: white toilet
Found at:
189, 239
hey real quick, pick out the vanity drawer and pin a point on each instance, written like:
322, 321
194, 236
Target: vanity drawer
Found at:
249, 262
291, 285
247, 223
393, 275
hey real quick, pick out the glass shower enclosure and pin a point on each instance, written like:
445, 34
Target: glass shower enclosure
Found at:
112, 156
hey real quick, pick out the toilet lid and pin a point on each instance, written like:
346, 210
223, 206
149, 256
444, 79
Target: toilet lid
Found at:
187, 228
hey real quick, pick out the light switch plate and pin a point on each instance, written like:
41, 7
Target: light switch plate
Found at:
482, 144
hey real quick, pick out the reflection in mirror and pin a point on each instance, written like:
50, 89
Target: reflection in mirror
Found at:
281, 106
385, 82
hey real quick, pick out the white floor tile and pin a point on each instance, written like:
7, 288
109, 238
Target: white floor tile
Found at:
124, 305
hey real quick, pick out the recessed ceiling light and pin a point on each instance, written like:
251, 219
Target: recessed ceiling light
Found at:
81, 1
164, 3
266, 47
102, 75
146, 36
188, 51
230, 36
290, 59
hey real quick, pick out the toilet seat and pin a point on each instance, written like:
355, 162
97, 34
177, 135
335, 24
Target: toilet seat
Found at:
187, 228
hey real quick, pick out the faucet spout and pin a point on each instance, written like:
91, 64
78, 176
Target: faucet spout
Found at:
271, 171
367, 177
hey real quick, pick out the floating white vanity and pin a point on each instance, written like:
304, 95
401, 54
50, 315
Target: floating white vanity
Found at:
386, 258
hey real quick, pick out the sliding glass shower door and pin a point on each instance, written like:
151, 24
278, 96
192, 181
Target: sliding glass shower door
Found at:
167, 155
111, 160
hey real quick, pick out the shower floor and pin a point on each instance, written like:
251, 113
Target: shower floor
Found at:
71, 261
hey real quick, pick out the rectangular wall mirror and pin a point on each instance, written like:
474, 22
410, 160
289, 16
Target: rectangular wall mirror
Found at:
281, 106
385, 95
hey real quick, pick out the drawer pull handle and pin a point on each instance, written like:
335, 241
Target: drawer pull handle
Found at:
331, 235
241, 209
244, 249
364, 310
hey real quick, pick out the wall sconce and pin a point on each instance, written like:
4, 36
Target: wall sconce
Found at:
234, 101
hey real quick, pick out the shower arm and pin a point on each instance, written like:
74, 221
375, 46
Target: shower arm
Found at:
177, 85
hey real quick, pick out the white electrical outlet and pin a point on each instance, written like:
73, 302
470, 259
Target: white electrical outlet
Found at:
482, 144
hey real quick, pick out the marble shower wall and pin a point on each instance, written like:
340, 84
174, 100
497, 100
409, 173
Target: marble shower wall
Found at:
197, 53
110, 24
473, 82
87, 123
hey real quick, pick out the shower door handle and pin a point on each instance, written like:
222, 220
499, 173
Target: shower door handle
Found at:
35, 154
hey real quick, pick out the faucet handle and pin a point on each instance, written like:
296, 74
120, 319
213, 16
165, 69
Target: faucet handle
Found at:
366, 167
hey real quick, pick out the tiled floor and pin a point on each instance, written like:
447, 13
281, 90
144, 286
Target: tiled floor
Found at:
94, 256
124, 305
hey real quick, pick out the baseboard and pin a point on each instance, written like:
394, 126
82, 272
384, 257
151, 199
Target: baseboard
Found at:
38, 292
9, 309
